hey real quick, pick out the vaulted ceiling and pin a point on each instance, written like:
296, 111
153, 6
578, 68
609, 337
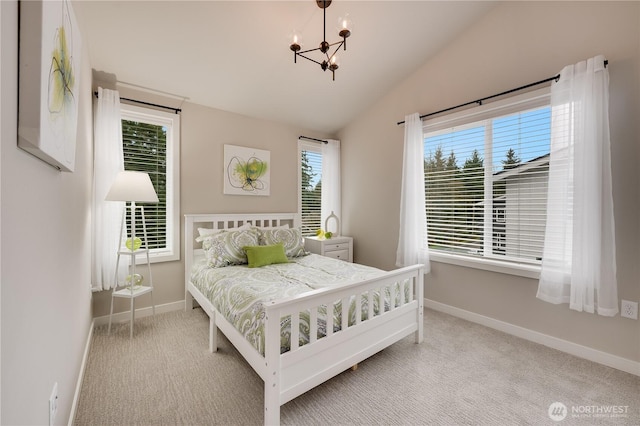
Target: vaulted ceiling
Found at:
234, 55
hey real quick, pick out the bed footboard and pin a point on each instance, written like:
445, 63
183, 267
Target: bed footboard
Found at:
341, 346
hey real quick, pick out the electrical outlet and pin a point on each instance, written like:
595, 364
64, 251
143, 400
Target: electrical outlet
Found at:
53, 404
629, 309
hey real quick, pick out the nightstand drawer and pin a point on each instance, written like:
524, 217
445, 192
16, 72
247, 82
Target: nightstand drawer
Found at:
335, 246
338, 248
338, 254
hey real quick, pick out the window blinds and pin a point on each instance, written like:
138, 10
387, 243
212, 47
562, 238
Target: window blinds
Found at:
311, 191
486, 180
145, 150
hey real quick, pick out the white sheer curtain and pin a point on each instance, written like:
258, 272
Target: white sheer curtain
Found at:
108, 161
412, 240
330, 195
579, 257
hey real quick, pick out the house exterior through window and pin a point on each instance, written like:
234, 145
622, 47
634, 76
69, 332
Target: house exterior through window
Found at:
486, 172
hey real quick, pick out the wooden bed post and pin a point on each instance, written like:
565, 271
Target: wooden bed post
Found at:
272, 361
213, 333
188, 249
419, 336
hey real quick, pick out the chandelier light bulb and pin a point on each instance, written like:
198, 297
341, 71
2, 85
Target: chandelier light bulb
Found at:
296, 41
345, 26
334, 63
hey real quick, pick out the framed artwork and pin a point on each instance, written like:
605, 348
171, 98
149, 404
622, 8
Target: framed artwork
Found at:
246, 171
49, 81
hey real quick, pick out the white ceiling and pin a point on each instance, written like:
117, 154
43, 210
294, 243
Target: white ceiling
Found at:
234, 55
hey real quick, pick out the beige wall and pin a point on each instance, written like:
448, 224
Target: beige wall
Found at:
205, 131
515, 44
46, 256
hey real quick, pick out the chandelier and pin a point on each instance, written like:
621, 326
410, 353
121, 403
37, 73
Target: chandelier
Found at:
328, 61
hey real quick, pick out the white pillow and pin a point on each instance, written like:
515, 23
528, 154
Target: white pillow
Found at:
206, 232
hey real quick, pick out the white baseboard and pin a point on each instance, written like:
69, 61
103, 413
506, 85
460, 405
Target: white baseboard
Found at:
85, 357
140, 313
614, 361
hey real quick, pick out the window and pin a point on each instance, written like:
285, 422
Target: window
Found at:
310, 194
486, 174
151, 141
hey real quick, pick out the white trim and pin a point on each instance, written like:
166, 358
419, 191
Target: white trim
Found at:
610, 360
483, 117
487, 264
468, 117
140, 313
85, 357
162, 118
304, 145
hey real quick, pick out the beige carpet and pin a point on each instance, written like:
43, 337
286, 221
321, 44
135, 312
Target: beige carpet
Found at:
462, 374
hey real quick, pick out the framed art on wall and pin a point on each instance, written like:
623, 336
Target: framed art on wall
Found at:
246, 171
49, 80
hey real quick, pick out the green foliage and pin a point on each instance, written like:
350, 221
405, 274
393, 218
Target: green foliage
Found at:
145, 150
311, 197
454, 199
512, 160
306, 173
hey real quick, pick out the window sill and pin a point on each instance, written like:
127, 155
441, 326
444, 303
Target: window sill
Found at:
521, 269
158, 257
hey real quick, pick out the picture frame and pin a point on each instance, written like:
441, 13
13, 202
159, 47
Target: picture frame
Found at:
246, 171
49, 81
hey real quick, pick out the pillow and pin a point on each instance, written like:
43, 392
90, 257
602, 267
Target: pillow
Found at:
225, 248
265, 255
205, 232
291, 240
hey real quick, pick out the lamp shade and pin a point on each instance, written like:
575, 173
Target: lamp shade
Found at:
132, 186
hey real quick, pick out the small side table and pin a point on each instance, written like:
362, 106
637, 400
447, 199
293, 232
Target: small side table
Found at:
132, 291
340, 247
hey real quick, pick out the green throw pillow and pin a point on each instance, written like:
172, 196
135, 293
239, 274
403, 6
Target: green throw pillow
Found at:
265, 255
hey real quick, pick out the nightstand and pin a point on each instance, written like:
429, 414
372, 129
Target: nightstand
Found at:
129, 291
336, 247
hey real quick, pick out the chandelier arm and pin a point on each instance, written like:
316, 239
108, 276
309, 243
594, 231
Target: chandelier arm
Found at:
309, 50
340, 43
317, 48
310, 59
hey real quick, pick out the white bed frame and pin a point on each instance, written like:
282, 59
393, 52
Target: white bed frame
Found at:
290, 374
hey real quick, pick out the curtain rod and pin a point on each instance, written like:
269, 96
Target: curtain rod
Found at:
175, 110
479, 101
312, 139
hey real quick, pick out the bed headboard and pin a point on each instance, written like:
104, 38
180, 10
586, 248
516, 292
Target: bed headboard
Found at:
226, 221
